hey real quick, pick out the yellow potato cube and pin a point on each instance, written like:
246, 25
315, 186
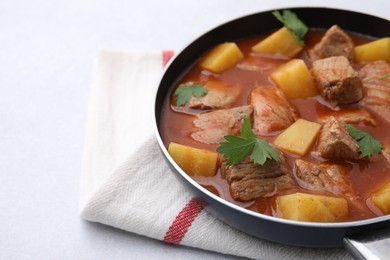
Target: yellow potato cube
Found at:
194, 161
381, 198
295, 79
375, 50
298, 137
312, 208
222, 57
280, 43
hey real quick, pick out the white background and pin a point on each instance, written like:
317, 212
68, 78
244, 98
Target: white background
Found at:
47, 51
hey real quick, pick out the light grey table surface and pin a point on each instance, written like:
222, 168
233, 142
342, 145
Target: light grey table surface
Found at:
47, 50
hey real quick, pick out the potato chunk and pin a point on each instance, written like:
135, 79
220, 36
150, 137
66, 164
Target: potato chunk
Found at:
299, 137
295, 80
222, 57
280, 43
375, 50
381, 198
194, 161
312, 208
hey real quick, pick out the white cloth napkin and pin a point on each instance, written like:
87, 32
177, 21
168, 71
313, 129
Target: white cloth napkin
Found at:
127, 184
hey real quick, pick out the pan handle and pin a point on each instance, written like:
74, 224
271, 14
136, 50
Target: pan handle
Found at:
374, 244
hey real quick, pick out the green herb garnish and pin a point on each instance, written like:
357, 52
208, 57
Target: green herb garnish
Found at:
291, 21
385, 77
368, 145
237, 148
184, 93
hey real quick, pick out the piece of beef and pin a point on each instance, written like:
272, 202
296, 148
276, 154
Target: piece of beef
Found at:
335, 143
373, 72
337, 80
335, 42
353, 116
251, 189
249, 181
213, 126
323, 177
272, 112
218, 96
248, 170
377, 88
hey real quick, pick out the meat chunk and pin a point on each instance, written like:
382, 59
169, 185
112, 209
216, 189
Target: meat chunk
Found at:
247, 190
218, 96
337, 80
334, 142
249, 181
323, 177
354, 116
372, 72
335, 42
248, 170
216, 124
272, 111
377, 88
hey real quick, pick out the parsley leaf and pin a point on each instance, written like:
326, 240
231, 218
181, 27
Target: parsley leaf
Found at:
263, 151
185, 92
291, 21
237, 148
385, 77
368, 145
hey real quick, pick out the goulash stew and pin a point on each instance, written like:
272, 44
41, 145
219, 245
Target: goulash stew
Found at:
293, 124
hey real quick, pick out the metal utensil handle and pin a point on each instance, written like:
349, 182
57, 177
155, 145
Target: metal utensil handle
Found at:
370, 245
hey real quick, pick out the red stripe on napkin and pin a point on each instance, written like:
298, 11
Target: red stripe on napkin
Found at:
187, 215
166, 56
183, 221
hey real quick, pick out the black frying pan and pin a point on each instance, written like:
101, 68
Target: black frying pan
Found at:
259, 225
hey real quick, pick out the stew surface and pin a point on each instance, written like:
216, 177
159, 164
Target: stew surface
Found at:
253, 71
